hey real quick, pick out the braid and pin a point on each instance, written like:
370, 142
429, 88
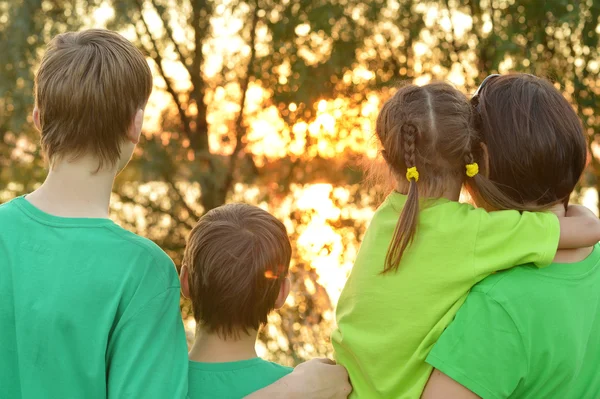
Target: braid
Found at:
408, 133
469, 157
407, 223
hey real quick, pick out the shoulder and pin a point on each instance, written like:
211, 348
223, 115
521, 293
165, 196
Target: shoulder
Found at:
143, 255
9, 208
507, 280
143, 245
501, 285
276, 368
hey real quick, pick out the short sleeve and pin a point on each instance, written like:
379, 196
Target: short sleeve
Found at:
147, 355
482, 349
510, 238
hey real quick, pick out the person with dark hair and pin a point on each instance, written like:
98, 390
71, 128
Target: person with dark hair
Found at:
526, 332
424, 250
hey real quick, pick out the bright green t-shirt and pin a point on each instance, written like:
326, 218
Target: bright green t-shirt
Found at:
87, 310
387, 324
528, 333
232, 380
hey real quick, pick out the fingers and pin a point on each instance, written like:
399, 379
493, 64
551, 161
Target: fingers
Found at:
331, 379
347, 389
324, 360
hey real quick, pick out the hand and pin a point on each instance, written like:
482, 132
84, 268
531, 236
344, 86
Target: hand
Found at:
315, 379
580, 228
320, 379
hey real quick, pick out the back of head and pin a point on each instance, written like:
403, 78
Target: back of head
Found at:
535, 142
426, 136
88, 89
428, 127
238, 257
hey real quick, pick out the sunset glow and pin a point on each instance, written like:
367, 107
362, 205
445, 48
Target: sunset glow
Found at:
275, 104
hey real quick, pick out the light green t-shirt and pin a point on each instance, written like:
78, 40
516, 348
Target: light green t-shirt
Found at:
387, 324
528, 333
232, 380
87, 310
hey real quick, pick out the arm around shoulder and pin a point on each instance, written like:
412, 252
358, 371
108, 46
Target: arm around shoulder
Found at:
510, 238
317, 378
579, 229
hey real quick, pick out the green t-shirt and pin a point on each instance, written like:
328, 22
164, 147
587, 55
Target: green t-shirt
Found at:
232, 380
528, 333
87, 310
387, 324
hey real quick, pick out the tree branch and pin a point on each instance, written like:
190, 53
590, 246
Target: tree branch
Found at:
171, 37
240, 129
192, 212
155, 208
453, 41
199, 141
158, 61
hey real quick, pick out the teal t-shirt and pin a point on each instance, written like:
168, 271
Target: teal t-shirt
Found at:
87, 310
528, 333
232, 380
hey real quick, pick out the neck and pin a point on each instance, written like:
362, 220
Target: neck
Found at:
451, 191
558, 209
75, 189
211, 348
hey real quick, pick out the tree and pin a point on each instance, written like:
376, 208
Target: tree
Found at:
190, 164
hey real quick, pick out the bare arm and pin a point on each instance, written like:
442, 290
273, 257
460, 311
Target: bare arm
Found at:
579, 229
440, 386
317, 378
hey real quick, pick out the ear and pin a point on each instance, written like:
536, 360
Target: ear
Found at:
284, 291
36, 118
485, 160
134, 132
184, 279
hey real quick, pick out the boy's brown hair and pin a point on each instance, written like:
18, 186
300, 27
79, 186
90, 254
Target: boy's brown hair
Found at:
88, 89
238, 256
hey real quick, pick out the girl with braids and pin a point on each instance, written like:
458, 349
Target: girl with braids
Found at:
424, 250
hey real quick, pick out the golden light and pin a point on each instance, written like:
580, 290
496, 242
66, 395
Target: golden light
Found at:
340, 127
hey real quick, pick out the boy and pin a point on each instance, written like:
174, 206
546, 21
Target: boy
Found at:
87, 309
235, 271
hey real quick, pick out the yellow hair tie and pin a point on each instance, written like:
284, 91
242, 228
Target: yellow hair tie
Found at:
411, 173
472, 169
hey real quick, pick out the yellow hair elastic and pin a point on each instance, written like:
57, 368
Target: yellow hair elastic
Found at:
411, 173
472, 169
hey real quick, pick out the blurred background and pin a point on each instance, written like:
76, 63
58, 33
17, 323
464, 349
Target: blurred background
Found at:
273, 102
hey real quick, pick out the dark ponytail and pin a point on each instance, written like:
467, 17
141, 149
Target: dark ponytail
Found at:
493, 195
407, 223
